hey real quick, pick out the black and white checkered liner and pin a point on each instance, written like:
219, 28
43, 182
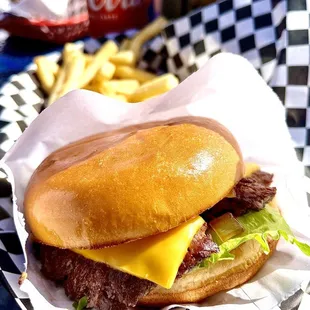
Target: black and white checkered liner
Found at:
272, 34
253, 29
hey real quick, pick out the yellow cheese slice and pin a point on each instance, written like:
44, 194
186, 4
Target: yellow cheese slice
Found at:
250, 168
155, 258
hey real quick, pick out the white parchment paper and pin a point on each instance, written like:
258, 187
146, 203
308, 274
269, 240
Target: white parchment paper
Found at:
36, 8
227, 89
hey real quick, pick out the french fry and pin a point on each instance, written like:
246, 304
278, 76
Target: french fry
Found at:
124, 45
123, 87
98, 72
105, 90
99, 88
96, 87
126, 72
69, 50
107, 50
73, 73
53, 66
154, 87
90, 87
46, 71
102, 88
70, 74
123, 58
106, 72
88, 59
146, 34
119, 97
56, 90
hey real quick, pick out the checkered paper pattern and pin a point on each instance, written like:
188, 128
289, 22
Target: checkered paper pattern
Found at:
272, 35
11, 256
253, 29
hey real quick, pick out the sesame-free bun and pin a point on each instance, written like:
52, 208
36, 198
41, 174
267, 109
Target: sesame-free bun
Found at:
204, 282
131, 183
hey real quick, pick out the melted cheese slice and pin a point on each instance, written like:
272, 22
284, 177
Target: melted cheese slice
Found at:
250, 168
155, 258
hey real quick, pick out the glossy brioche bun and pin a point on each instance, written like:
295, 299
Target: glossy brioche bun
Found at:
224, 275
131, 183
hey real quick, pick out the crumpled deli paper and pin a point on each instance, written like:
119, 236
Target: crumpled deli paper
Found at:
227, 89
36, 8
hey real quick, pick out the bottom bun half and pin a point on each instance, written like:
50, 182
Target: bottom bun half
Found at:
224, 275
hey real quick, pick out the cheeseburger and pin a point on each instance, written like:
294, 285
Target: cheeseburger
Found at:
152, 214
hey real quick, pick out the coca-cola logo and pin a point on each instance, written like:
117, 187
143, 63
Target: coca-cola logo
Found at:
111, 5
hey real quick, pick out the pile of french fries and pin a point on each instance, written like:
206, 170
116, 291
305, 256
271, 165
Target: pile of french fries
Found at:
111, 71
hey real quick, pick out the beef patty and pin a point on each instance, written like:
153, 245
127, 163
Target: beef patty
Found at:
251, 194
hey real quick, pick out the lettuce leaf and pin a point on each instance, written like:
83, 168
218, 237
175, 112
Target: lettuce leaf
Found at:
81, 304
258, 226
